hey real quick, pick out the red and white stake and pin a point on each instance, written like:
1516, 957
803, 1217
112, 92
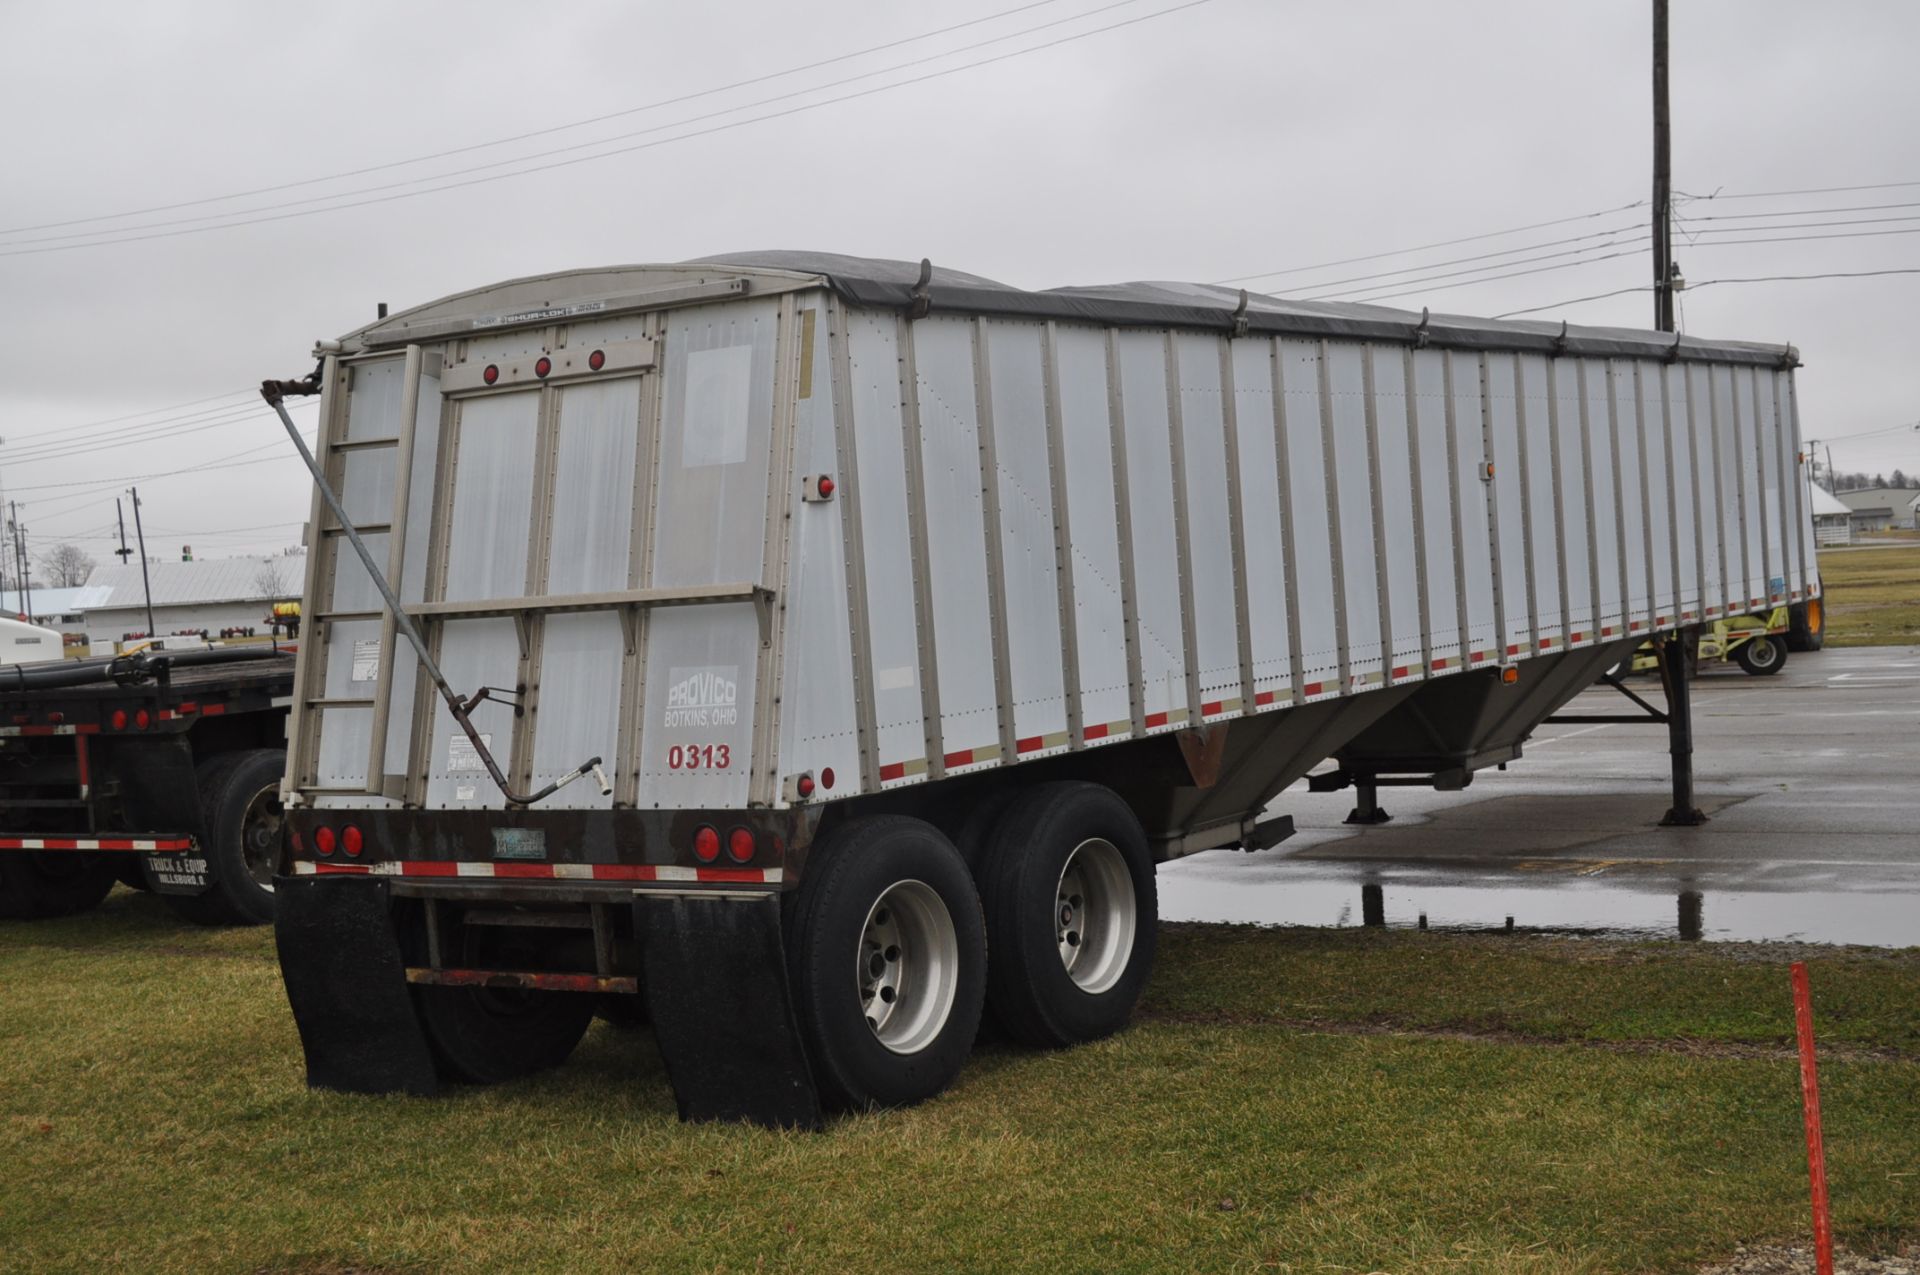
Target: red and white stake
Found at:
1810, 1107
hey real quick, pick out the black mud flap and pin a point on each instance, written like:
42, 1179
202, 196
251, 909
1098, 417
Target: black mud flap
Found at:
347, 983
715, 975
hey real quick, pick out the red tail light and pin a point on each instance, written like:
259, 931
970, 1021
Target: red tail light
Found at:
542, 365
826, 777
351, 842
740, 846
826, 487
706, 844
492, 373
804, 786
119, 719
142, 719
323, 840
597, 360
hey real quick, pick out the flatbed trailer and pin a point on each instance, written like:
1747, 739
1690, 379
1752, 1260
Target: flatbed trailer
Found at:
161, 771
905, 621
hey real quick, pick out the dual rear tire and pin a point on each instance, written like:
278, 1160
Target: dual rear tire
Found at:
894, 949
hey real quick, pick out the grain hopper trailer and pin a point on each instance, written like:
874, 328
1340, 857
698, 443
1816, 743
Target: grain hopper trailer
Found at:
818, 650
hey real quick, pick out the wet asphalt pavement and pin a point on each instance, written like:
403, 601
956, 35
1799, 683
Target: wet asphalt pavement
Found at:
1811, 779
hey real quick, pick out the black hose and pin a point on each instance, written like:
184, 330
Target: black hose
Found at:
125, 668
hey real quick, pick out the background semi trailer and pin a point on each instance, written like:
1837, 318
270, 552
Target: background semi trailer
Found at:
161, 770
904, 621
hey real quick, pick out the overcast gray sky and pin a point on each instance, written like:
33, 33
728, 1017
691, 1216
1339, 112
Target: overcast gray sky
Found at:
1221, 139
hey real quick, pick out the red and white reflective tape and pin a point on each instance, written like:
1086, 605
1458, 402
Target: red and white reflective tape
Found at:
83, 728
152, 845
466, 870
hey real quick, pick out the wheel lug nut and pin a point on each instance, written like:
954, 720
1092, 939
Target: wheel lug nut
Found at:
893, 952
887, 994
1073, 938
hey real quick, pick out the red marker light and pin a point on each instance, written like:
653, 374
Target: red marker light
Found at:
323, 840
119, 719
826, 486
740, 846
826, 777
351, 842
491, 375
805, 786
706, 844
142, 719
542, 365
597, 360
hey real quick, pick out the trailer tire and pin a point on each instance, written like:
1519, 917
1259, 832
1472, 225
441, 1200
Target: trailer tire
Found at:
888, 899
1807, 626
240, 821
1068, 963
1762, 656
488, 1035
38, 884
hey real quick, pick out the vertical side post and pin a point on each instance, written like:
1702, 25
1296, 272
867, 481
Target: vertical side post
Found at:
1672, 651
1810, 1109
1662, 178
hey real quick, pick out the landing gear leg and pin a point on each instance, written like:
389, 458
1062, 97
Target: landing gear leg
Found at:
1366, 809
1673, 651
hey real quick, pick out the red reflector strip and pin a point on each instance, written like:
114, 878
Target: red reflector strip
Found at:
1607, 630
1546, 643
1478, 657
1156, 719
893, 771
1513, 648
151, 845
1262, 698
1053, 739
1400, 670
1313, 688
1211, 707
84, 728
1096, 731
545, 871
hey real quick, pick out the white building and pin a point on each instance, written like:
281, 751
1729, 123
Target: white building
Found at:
211, 595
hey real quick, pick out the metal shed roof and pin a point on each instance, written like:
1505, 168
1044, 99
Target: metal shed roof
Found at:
192, 583
876, 282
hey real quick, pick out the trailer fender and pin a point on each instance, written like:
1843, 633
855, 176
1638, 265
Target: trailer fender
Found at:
714, 972
347, 983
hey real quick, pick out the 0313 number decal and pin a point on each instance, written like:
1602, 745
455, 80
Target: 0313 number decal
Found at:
700, 757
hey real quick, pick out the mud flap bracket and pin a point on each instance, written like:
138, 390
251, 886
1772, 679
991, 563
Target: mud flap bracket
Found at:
713, 970
347, 983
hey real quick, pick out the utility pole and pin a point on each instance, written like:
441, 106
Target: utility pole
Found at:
141, 538
1662, 178
120, 516
20, 560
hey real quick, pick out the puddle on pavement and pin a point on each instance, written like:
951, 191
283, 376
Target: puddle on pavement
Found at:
1226, 886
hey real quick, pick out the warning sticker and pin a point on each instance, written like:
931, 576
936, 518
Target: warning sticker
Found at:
366, 660
465, 792
462, 755
708, 696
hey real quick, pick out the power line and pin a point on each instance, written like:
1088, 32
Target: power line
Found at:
1802, 212
105, 483
1849, 234
1484, 256
1794, 225
1708, 283
1565, 265
1811, 190
160, 431
1521, 261
538, 132
1444, 243
114, 420
624, 150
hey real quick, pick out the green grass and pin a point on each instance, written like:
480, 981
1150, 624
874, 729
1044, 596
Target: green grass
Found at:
1460, 1102
1872, 596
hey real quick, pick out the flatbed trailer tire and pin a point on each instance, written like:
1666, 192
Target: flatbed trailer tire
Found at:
239, 838
37, 884
1762, 656
1072, 913
887, 961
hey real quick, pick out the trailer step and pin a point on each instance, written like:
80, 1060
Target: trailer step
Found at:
152, 843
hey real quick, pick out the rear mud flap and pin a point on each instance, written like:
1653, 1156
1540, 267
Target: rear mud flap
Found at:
347, 983
714, 974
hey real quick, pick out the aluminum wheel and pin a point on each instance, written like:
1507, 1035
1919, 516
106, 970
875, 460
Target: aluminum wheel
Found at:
1094, 915
260, 835
907, 967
